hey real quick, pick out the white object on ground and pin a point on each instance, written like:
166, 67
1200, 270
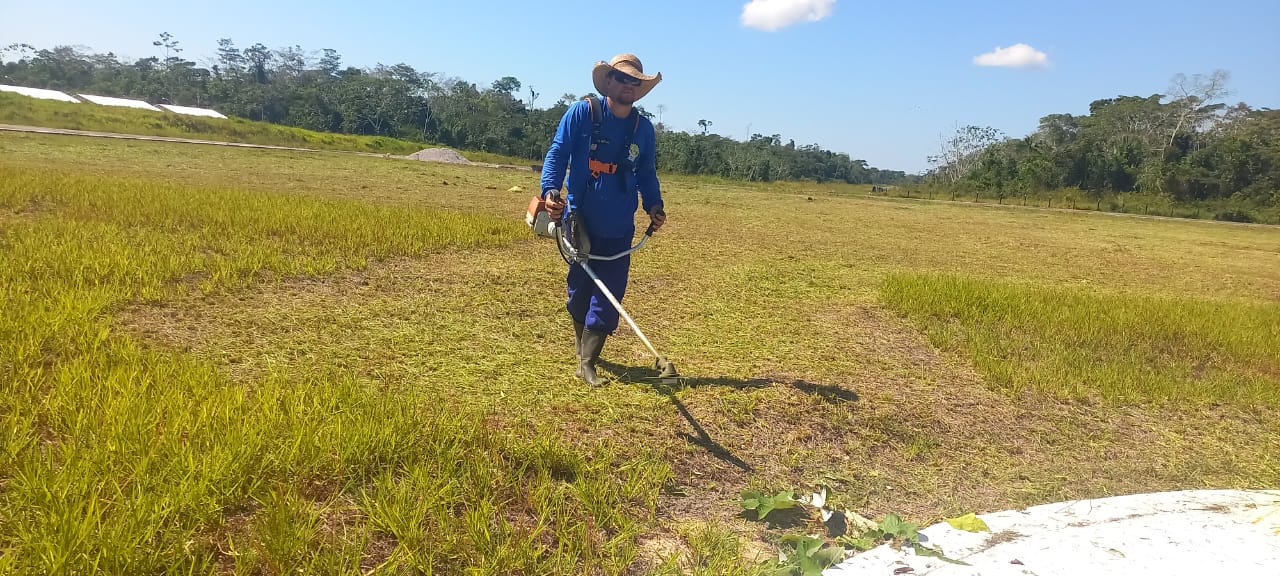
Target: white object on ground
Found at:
190, 111
39, 93
1195, 532
440, 155
109, 101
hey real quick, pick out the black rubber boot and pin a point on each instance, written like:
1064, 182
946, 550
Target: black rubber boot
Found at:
589, 347
577, 338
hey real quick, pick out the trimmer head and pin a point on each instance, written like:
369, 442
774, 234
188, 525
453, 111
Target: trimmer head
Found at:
666, 373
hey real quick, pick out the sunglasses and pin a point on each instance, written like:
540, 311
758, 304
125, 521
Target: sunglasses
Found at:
624, 79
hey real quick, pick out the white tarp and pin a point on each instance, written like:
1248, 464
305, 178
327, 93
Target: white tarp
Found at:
109, 101
1197, 532
188, 110
39, 93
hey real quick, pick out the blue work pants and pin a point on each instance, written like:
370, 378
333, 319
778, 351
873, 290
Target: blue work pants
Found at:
587, 304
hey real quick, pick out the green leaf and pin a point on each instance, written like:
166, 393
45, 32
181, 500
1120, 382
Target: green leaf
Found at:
891, 524
811, 554
809, 546
861, 543
829, 556
922, 550
969, 522
800, 543
810, 567
765, 508
894, 525
763, 505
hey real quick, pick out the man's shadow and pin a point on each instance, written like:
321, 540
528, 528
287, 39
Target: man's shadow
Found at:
648, 377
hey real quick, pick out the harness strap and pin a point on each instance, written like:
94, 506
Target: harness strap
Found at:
597, 166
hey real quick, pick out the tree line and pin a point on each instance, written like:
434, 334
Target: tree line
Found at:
316, 91
1183, 146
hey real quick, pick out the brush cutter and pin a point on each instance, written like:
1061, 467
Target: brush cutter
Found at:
574, 249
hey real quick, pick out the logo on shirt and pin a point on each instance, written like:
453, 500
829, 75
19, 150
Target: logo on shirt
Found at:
633, 153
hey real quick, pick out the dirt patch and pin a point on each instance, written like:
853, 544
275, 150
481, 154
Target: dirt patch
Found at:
236, 523
652, 550
376, 553
1001, 537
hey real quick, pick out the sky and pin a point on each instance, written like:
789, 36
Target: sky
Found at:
880, 81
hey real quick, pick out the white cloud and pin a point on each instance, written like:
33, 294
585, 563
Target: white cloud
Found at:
774, 14
1016, 56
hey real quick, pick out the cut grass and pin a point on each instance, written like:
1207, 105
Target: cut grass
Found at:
338, 363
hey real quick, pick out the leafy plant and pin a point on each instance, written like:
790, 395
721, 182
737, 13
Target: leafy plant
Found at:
896, 532
764, 504
810, 555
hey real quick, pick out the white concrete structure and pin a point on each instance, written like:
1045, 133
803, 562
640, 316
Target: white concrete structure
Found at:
1201, 532
109, 101
39, 93
192, 111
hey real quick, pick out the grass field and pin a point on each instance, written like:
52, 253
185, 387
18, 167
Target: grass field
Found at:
224, 361
27, 111
1135, 203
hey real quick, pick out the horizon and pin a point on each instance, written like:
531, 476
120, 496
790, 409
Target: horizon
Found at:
757, 54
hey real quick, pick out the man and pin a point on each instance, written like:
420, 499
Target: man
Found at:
606, 169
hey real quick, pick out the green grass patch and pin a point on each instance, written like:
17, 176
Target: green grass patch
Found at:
135, 237
1078, 343
118, 458
27, 111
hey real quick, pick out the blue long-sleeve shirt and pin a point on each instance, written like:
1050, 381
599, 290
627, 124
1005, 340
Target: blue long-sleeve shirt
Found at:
608, 204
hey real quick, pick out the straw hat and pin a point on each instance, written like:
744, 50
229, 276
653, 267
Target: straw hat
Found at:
628, 64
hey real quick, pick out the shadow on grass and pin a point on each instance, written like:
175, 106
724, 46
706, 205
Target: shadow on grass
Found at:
648, 377
779, 519
827, 392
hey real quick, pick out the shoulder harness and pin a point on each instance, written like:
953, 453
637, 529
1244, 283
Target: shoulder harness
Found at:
597, 166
